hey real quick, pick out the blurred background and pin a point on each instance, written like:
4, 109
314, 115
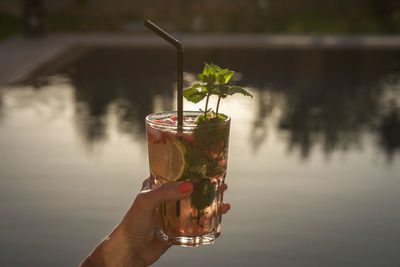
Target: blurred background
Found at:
256, 16
314, 157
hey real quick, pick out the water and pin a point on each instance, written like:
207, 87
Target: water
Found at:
313, 171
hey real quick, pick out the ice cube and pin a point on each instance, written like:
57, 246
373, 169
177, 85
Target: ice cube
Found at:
168, 121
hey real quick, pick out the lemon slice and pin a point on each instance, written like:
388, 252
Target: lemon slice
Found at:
167, 159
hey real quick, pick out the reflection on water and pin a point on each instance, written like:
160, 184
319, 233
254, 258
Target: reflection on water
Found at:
291, 206
327, 98
389, 130
315, 98
118, 80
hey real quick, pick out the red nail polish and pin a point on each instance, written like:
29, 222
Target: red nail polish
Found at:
228, 206
185, 187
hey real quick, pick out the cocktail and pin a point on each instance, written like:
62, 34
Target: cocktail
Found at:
195, 153
191, 146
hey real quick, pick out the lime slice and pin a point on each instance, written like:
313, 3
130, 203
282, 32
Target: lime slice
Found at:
167, 159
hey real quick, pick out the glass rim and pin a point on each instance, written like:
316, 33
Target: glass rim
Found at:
184, 127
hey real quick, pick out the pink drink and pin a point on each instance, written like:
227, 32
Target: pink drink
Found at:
196, 153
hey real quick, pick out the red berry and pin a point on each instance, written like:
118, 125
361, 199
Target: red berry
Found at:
176, 117
222, 162
190, 138
155, 136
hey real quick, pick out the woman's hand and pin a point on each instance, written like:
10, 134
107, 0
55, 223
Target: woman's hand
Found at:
134, 242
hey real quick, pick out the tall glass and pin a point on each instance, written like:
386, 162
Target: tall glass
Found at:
196, 153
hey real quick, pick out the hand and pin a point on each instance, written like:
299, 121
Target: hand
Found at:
133, 242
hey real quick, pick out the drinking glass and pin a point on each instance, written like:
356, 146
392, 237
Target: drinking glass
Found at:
195, 153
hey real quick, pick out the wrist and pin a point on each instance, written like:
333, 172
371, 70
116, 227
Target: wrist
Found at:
114, 250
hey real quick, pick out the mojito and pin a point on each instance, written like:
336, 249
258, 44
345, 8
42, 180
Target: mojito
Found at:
195, 152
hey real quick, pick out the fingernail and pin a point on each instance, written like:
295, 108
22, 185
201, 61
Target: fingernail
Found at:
228, 206
185, 187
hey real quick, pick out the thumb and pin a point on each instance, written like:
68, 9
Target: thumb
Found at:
169, 191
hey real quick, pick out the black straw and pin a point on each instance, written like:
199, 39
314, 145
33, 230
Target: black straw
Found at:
179, 67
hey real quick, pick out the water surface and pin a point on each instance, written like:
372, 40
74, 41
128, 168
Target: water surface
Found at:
313, 172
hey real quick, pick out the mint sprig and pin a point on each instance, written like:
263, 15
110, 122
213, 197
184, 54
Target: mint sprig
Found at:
214, 81
203, 160
203, 194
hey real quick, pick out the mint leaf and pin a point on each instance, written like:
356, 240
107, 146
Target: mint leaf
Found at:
224, 76
222, 90
214, 81
196, 85
208, 76
226, 90
203, 194
209, 80
216, 68
209, 69
208, 133
196, 156
236, 89
201, 119
193, 95
214, 169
